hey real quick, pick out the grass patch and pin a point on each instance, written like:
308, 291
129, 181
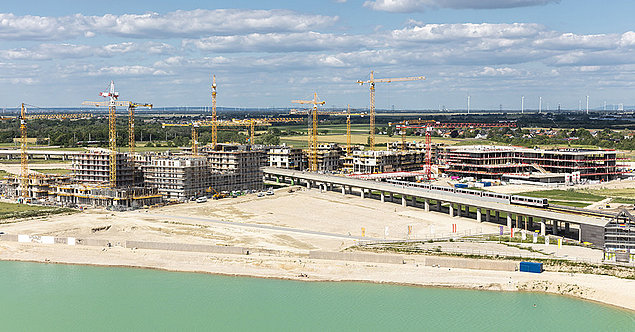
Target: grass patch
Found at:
623, 201
566, 195
58, 171
623, 195
33, 161
14, 210
565, 203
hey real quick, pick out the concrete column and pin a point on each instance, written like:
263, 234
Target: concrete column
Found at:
498, 216
509, 220
343, 190
478, 215
451, 210
438, 205
566, 227
426, 205
383, 198
413, 201
519, 219
488, 214
555, 227
543, 228
403, 201
362, 192
308, 185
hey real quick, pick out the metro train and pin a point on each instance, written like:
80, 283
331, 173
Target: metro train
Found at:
484, 195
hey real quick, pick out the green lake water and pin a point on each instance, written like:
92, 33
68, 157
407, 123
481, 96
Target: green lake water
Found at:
36, 297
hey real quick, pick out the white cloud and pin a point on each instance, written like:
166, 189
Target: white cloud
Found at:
407, 6
180, 23
128, 71
67, 51
569, 41
452, 32
281, 42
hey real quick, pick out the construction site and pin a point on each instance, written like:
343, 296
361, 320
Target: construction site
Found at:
122, 180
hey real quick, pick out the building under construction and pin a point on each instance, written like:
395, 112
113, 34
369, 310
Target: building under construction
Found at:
178, 177
366, 161
235, 167
493, 162
93, 168
285, 157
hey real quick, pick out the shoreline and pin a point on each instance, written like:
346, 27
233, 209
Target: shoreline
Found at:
469, 278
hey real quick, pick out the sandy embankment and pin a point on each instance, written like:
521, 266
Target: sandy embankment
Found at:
283, 254
603, 289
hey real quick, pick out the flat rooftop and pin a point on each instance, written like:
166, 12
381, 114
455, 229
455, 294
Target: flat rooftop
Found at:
498, 148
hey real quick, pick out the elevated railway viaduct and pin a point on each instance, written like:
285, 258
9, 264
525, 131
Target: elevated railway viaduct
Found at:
575, 226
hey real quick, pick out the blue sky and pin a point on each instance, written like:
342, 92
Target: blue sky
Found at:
266, 53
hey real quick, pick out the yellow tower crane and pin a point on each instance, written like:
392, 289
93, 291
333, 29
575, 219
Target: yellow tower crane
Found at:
372, 82
131, 137
214, 119
312, 132
348, 130
24, 157
195, 125
112, 104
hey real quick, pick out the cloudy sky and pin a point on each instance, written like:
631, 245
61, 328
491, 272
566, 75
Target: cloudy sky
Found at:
266, 53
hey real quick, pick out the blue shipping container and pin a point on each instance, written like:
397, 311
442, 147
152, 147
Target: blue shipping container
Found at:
531, 267
460, 185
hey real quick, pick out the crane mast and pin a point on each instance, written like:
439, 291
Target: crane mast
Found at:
131, 135
195, 139
371, 82
312, 133
214, 119
24, 163
348, 132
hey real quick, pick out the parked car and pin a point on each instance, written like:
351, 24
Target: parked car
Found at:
201, 199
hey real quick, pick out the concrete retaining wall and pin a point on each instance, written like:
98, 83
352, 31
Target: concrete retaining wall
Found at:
357, 257
9, 237
474, 264
92, 242
187, 247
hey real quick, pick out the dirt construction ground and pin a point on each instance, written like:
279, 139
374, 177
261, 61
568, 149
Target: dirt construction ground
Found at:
301, 220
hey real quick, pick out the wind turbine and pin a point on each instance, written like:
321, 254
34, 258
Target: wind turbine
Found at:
522, 104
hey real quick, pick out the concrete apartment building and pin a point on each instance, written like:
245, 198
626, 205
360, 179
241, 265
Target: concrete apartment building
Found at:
178, 177
492, 162
329, 157
285, 157
365, 162
93, 168
241, 166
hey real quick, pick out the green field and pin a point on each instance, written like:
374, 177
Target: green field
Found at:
33, 161
13, 210
564, 195
582, 198
59, 171
567, 203
623, 196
